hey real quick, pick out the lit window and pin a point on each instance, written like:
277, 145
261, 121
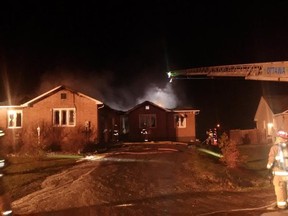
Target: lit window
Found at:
180, 120
147, 107
147, 120
64, 117
14, 118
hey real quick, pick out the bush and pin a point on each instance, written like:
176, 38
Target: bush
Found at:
48, 138
231, 154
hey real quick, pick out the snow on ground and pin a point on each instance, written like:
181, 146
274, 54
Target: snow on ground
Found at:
60, 189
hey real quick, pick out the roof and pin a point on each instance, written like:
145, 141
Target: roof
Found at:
106, 107
53, 91
147, 103
15, 101
185, 109
277, 103
178, 109
9, 106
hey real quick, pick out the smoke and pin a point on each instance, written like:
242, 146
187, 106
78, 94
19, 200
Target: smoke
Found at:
107, 88
89, 83
164, 97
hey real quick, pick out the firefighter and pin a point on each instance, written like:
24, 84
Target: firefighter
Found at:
209, 140
278, 163
144, 132
115, 134
5, 199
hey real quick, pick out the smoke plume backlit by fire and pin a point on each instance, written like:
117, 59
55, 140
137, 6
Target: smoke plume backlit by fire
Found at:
164, 97
102, 87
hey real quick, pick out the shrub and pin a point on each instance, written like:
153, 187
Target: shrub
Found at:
49, 138
32, 143
231, 154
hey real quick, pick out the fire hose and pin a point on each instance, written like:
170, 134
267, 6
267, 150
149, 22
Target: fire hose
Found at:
238, 210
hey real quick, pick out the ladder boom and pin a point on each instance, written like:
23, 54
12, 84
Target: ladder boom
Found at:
268, 71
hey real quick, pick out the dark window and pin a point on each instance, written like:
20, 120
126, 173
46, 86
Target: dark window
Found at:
18, 119
64, 122
147, 120
63, 95
71, 117
56, 117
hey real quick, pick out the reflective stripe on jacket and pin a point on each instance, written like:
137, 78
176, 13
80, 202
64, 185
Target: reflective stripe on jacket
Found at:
280, 173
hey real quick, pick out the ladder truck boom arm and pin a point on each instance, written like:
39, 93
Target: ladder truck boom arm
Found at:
268, 71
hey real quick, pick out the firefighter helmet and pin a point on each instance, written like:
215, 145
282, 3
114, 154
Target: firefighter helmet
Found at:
282, 134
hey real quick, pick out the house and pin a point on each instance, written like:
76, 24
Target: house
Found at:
272, 115
111, 124
57, 117
149, 121
64, 119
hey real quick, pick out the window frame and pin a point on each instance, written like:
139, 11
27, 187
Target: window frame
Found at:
148, 119
16, 121
177, 123
63, 117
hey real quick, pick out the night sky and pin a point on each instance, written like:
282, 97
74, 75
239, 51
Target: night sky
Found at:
119, 52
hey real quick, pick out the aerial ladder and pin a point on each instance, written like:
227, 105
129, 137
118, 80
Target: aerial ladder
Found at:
267, 71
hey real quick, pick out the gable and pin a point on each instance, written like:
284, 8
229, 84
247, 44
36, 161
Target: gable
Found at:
262, 103
57, 90
147, 105
54, 105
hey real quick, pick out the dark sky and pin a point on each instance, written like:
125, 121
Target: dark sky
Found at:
119, 52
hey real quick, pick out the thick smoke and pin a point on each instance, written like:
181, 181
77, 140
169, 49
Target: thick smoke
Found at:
164, 97
106, 88
86, 83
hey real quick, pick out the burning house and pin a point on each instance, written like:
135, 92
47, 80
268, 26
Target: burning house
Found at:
64, 119
160, 123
